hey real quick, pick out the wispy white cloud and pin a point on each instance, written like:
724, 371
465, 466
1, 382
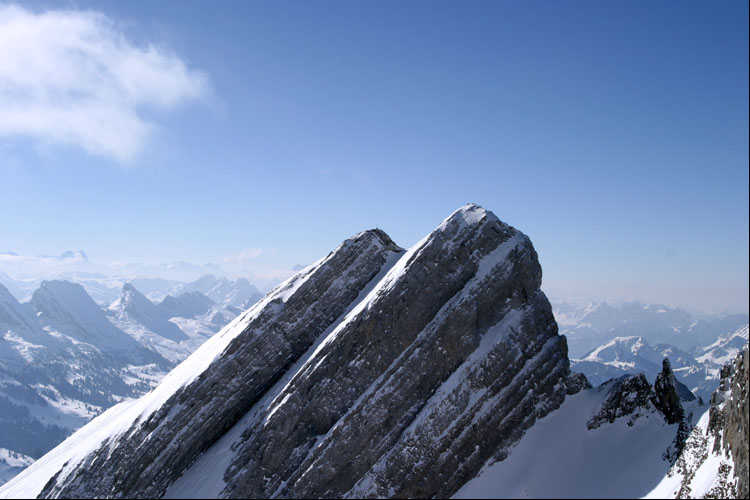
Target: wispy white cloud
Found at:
74, 77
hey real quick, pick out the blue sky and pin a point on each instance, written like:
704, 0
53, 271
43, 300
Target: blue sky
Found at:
258, 135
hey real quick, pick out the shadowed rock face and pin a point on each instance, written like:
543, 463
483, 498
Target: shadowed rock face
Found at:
665, 398
629, 395
155, 452
373, 373
390, 412
728, 418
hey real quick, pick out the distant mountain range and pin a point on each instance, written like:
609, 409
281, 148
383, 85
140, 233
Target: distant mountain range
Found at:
64, 358
590, 326
103, 289
698, 369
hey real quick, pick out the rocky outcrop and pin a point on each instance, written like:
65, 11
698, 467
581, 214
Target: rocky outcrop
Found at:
460, 340
665, 398
374, 372
627, 396
632, 395
728, 418
714, 460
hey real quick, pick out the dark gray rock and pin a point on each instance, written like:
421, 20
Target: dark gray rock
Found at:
373, 377
728, 418
665, 398
394, 410
153, 453
629, 395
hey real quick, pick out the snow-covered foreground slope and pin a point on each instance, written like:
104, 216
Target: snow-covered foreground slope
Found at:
561, 458
372, 372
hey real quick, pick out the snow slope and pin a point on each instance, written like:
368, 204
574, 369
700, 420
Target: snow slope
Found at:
560, 458
724, 349
704, 472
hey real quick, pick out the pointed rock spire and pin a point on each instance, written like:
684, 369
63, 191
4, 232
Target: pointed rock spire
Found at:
665, 398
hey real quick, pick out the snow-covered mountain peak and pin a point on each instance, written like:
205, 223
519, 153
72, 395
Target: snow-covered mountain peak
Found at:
68, 303
221, 290
724, 349
134, 308
374, 238
185, 305
470, 214
130, 299
18, 318
66, 308
615, 349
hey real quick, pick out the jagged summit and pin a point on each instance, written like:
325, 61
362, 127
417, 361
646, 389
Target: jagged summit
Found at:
375, 371
66, 307
134, 307
666, 398
186, 305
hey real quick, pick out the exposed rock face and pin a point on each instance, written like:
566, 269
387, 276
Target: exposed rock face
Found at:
464, 340
194, 417
629, 395
728, 418
633, 395
373, 372
666, 399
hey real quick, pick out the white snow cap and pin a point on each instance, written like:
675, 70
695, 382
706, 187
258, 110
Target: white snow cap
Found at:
470, 214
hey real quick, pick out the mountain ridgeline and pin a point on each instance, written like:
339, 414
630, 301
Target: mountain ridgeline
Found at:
373, 372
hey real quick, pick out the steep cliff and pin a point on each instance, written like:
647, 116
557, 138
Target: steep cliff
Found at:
373, 372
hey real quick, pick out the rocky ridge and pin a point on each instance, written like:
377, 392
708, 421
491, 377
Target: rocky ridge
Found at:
373, 372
